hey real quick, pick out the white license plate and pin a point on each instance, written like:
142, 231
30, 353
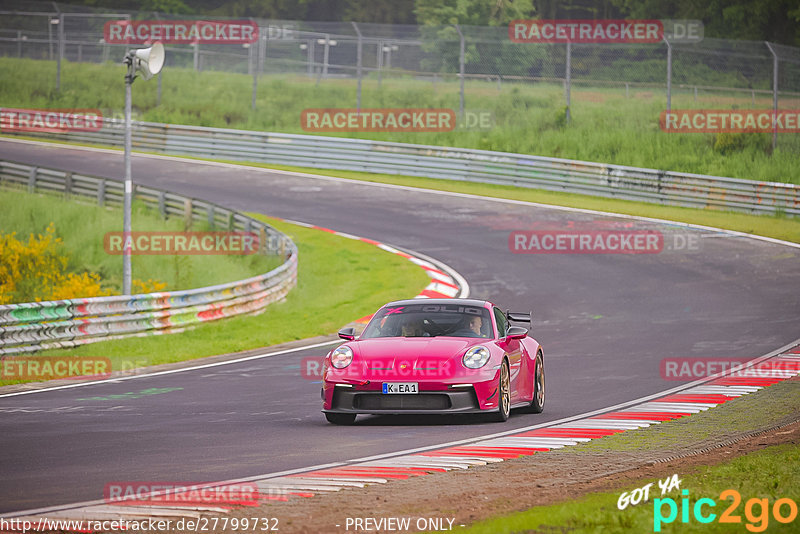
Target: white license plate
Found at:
394, 388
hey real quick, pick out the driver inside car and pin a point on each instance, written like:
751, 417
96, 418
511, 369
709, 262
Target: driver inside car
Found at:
413, 328
472, 327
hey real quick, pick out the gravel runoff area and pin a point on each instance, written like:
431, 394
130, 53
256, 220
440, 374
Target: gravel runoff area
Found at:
752, 422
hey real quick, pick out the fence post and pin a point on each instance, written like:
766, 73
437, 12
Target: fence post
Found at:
380, 63
669, 75
461, 71
254, 65
196, 47
19, 43
358, 60
60, 54
774, 95
310, 57
263, 51
326, 55
568, 77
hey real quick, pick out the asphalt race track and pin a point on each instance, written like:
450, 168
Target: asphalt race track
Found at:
606, 322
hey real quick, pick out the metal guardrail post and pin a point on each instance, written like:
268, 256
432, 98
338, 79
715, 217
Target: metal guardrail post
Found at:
32, 180
67, 184
188, 209
101, 193
162, 204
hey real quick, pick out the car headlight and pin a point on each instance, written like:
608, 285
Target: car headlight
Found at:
476, 357
341, 357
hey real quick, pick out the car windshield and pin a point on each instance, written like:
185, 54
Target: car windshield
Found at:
430, 320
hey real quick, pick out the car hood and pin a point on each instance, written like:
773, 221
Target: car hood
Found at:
398, 358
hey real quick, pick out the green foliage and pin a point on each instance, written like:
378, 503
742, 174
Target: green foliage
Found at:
339, 280
561, 117
605, 125
728, 143
79, 229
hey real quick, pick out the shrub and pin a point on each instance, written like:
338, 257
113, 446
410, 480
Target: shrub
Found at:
36, 270
728, 143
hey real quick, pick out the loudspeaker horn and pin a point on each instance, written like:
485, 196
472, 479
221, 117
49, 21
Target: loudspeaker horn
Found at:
149, 61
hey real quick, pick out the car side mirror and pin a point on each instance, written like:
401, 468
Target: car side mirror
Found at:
348, 333
516, 332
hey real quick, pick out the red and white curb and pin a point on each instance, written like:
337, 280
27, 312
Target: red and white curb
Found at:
445, 281
680, 402
688, 401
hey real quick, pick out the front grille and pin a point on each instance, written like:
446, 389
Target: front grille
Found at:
378, 401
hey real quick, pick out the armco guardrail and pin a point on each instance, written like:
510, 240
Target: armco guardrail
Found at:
616, 181
66, 323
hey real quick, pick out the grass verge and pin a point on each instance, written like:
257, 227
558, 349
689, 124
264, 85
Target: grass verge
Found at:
81, 225
339, 280
606, 124
774, 226
769, 474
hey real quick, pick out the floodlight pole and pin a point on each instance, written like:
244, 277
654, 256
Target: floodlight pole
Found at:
128, 194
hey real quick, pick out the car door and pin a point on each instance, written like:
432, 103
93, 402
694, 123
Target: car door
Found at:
514, 351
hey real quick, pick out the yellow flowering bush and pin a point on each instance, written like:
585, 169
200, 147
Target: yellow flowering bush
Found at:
36, 271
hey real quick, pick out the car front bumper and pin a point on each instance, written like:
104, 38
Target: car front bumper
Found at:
348, 400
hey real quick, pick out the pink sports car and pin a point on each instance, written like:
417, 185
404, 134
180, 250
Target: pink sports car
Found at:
435, 356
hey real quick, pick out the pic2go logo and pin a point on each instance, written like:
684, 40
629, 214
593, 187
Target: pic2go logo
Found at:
758, 521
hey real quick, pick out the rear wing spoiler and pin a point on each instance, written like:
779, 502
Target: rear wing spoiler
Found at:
519, 317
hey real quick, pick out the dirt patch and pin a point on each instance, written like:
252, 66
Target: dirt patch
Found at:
589, 96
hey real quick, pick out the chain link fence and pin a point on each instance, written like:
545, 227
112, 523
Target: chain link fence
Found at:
706, 74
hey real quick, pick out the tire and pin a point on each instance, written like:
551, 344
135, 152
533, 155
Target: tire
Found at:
503, 395
340, 418
537, 403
